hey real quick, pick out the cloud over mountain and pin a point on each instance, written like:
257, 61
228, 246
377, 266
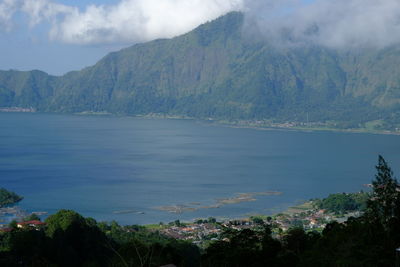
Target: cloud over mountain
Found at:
339, 23
126, 21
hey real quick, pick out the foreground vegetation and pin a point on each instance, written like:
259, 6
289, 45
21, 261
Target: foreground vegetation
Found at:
68, 239
343, 203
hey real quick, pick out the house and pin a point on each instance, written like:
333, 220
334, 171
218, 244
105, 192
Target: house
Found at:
33, 224
313, 223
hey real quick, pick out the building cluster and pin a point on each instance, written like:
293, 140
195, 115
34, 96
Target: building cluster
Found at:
309, 220
203, 231
28, 225
195, 232
287, 124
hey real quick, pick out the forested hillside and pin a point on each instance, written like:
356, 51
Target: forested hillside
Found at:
220, 71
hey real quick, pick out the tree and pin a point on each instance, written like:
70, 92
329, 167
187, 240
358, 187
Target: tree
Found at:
32, 217
76, 241
384, 203
13, 224
257, 220
343, 202
212, 220
62, 221
8, 198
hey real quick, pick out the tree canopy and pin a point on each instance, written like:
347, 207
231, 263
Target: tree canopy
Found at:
384, 203
343, 202
8, 197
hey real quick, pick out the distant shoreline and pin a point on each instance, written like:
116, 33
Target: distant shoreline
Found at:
247, 124
304, 129
256, 125
17, 110
242, 124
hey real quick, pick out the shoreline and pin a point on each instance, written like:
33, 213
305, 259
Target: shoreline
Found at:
285, 216
245, 124
302, 129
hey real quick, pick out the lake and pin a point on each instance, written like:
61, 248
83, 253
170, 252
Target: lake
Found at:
125, 169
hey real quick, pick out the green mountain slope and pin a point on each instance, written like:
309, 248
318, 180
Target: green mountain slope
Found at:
218, 71
25, 89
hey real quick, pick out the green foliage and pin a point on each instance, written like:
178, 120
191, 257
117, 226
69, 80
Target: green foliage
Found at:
135, 245
257, 219
13, 224
72, 240
258, 248
8, 198
385, 201
212, 220
63, 220
355, 243
32, 217
343, 202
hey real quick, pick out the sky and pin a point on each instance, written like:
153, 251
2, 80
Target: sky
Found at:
58, 36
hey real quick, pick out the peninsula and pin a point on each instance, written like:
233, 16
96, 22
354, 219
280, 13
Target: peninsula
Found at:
8, 198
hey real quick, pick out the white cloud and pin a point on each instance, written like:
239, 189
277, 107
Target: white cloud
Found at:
40, 10
126, 21
139, 20
334, 23
7, 9
339, 23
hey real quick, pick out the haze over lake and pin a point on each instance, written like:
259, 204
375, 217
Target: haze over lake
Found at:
123, 168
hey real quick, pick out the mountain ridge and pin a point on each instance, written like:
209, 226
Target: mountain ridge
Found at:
217, 71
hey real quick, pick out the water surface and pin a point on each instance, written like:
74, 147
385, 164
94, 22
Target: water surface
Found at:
106, 166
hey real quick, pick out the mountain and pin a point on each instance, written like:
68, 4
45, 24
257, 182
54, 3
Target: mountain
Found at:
220, 71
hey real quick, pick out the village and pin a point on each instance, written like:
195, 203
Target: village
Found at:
202, 231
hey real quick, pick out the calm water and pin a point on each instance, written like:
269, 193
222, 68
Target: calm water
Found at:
102, 165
